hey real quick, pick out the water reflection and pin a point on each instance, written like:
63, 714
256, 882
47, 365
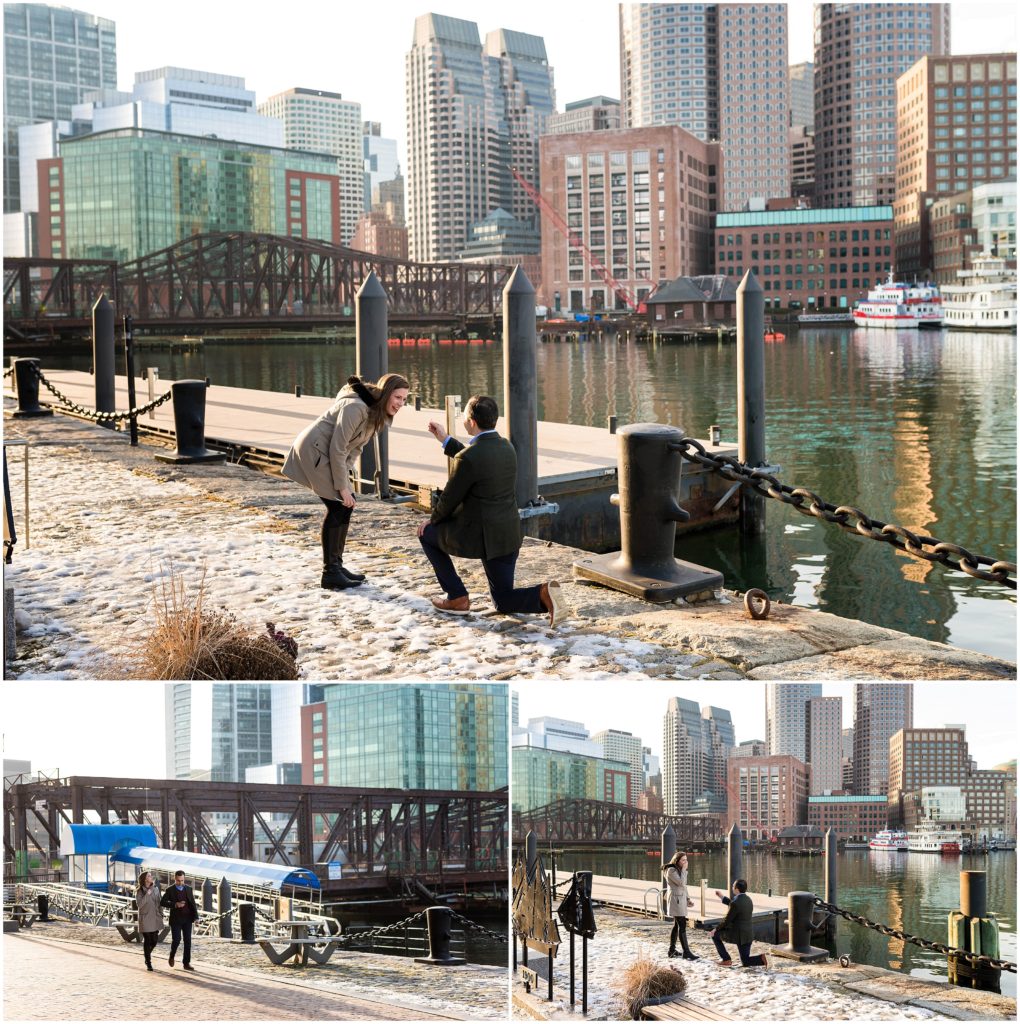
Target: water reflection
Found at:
913, 427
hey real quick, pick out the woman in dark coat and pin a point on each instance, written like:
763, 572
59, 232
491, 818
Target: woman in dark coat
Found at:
150, 915
675, 873
326, 452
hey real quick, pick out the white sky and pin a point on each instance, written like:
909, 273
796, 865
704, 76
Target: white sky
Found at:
358, 49
116, 729
988, 710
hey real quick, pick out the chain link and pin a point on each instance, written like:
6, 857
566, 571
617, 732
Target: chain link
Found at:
934, 947
92, 414
851, 519
8, 372
384, 929
472, 926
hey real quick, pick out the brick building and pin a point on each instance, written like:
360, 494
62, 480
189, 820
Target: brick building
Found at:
766, 794
377, 233
852, 817
807, 259
641, 199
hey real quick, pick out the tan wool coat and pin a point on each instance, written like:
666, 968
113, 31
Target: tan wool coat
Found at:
677, 882
150, 915
325, 453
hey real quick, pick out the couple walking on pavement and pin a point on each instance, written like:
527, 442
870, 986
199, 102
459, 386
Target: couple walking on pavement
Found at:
476, 517
179, 899
735, 927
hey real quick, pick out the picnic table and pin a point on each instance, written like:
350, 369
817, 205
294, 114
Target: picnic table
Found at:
303, 945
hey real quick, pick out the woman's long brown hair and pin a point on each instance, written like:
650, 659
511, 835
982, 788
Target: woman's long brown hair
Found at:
381, 391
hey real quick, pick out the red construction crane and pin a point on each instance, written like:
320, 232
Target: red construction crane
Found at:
576, 241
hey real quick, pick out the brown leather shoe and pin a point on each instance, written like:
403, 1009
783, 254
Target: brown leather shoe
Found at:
552, 601
453, 605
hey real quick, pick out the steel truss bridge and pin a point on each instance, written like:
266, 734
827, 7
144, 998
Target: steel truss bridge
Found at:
386, 835
238, 279
573, 822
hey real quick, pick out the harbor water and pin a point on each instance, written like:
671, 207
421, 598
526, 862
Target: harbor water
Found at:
916, 428
911, 892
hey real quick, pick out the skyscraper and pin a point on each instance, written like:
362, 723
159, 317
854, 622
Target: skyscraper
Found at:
52, 57
407, 736
824, 743
786, 717
695, 748
624, 746
380, 160
471, 115
722, 72
860, 51
324, 122
880, 710
802, 95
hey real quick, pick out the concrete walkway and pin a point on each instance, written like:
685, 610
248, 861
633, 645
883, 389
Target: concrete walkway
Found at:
47, 979
108, 521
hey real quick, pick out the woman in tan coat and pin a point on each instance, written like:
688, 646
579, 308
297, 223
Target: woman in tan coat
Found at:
325, 453
675, 873
150, 915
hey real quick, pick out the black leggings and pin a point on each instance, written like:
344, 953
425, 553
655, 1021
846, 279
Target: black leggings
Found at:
679, 928
149, 942
337, 513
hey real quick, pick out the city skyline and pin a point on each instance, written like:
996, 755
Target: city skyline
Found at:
374, 75
988, 710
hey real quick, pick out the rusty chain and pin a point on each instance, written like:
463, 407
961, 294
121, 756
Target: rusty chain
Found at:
472, 926
851, 519
92, 414
934, 947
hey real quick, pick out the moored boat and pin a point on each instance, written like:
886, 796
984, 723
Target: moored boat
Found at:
896, 304
984, 299
888, 839
931, 837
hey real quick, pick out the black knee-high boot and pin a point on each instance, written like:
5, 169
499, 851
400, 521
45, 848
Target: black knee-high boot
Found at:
354, 577
688, 955
333, 577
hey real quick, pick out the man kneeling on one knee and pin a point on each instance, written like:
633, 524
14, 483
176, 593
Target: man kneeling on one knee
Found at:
737, 927
477, 517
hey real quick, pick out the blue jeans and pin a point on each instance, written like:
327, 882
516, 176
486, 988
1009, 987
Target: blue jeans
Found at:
178, 929
498, 571
743, 949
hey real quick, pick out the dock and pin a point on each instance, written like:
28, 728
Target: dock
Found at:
576, 465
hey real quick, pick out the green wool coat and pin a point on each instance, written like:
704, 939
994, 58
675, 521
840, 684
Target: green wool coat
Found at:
736, 925
477, 514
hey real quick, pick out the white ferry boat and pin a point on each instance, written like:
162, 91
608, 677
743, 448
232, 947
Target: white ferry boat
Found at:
931, 837
888, 839
985, 298
896, 304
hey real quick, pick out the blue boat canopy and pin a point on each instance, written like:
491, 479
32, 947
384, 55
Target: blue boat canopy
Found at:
80, 840
203, 865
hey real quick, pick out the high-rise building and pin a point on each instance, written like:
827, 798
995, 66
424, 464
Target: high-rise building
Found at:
766, 794
847, 759
380, 157
324, 122
542, 775
287, 700
980, 220
407, 736
641, 200
595, 114
696, 745
749, 748
802, 95
195, 185
786, 718
823, 743
802, 163
216, 731
391, 199
880, 710
860, 51
472, 114
53, 56
955, 129
721, 71
618, 745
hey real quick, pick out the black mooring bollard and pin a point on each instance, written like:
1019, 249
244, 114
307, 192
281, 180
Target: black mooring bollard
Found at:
104, 356
208, 891
223, 908
800, 915
371, 319
43, 902
649, 474
439, 921
189, 424
247, 915
26, 379
973, 929
734, 857
520, 381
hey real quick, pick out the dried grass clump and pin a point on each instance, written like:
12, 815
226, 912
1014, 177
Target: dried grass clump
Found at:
645, 980
190, 641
